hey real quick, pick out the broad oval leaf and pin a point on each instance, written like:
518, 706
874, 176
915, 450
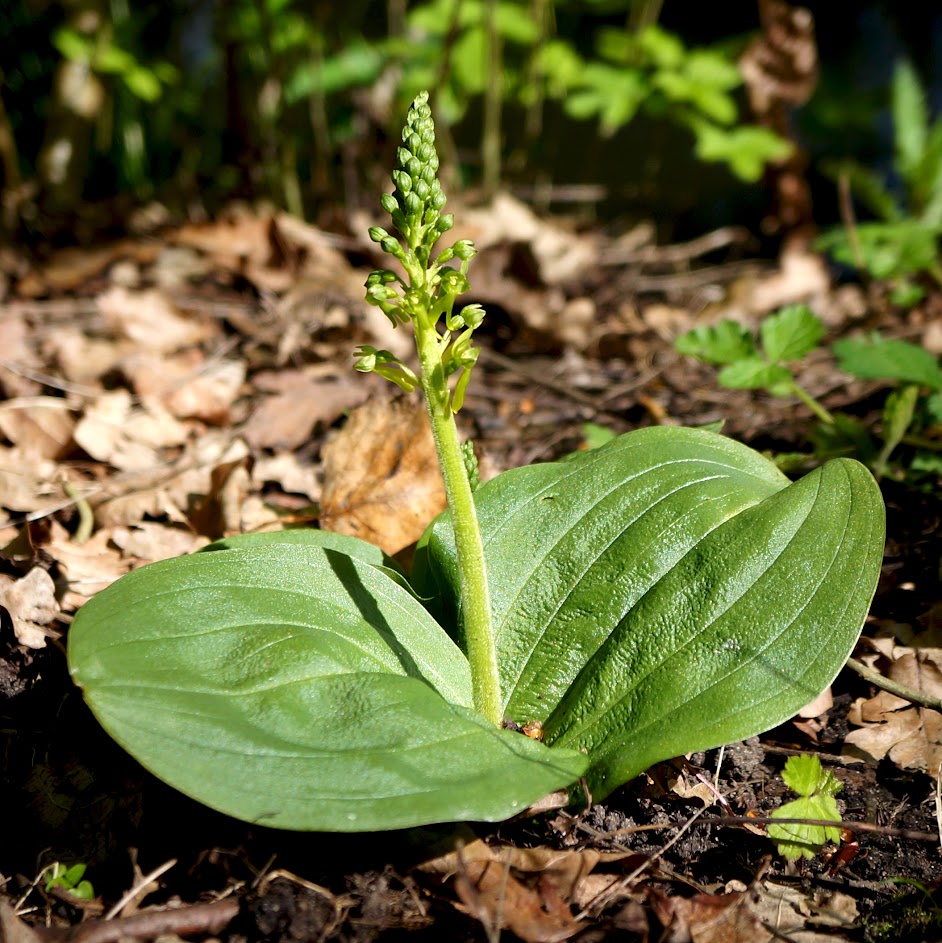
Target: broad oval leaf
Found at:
669, 592
300, 688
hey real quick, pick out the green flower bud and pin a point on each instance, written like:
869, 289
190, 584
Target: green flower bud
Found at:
428, 173
438, 201
391, 245
378, 294
413, 142
414, 168
412, 206
464, 250
389, 203
402, 180
472, 315
446, 255
403, 156
445, 223
381, 276
377, 233
421, 189
425, 152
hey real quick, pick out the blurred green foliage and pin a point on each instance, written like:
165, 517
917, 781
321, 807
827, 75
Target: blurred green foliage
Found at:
903, 241
281, 98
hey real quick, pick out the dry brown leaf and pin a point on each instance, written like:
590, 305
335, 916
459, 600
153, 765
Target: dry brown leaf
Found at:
31, 603
381, 477
14, 930
17, 347
909, 735
124, 436
149, 541
168, 490
40, 425
87, 567
292, 475
188, 385
219, 514
232, 241
28, 483
82, 359
708, 918
150, 320
301, 400
560, 255
525, 890
795, 911
71, 268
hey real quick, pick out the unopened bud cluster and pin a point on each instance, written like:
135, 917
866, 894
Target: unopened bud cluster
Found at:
429, 289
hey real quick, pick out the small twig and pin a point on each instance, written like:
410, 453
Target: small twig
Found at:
894, 687
886, 830
86, 516
613, 890
139, 889
181, 921
729, 820
845, 204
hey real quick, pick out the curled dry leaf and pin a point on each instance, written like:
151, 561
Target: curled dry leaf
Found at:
708, 918
188, 385
27, 483
40, 425
794, 911
127, 437
381, 477
87, 567
149, 541
150, 320
909, 735
300, 400
525, 890
14, 930
31, 603
18, 344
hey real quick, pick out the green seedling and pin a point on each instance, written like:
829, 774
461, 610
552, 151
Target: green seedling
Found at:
789, 335
784, 338
903, 242
816, 790
69, 879
666, 592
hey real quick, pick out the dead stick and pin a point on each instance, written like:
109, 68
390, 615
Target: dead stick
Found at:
894, 687
183, 921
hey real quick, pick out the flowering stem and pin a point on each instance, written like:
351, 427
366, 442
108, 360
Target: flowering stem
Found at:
423, 298
475, 603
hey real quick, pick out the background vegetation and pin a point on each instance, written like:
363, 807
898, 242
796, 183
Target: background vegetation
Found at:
192, 102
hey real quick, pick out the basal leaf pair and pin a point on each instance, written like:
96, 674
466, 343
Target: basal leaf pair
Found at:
668, 592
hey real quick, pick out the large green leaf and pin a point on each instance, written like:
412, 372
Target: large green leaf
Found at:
301, 688
669, 592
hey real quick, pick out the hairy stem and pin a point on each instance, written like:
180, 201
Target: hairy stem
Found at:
475, 603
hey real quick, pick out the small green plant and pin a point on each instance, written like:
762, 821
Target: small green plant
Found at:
70, 879
786, 337
651, 70
816, 790
903, 242
666, 592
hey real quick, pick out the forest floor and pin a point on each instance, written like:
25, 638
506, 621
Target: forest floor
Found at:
181, 384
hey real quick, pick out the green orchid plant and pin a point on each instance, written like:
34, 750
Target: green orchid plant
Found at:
668, 592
